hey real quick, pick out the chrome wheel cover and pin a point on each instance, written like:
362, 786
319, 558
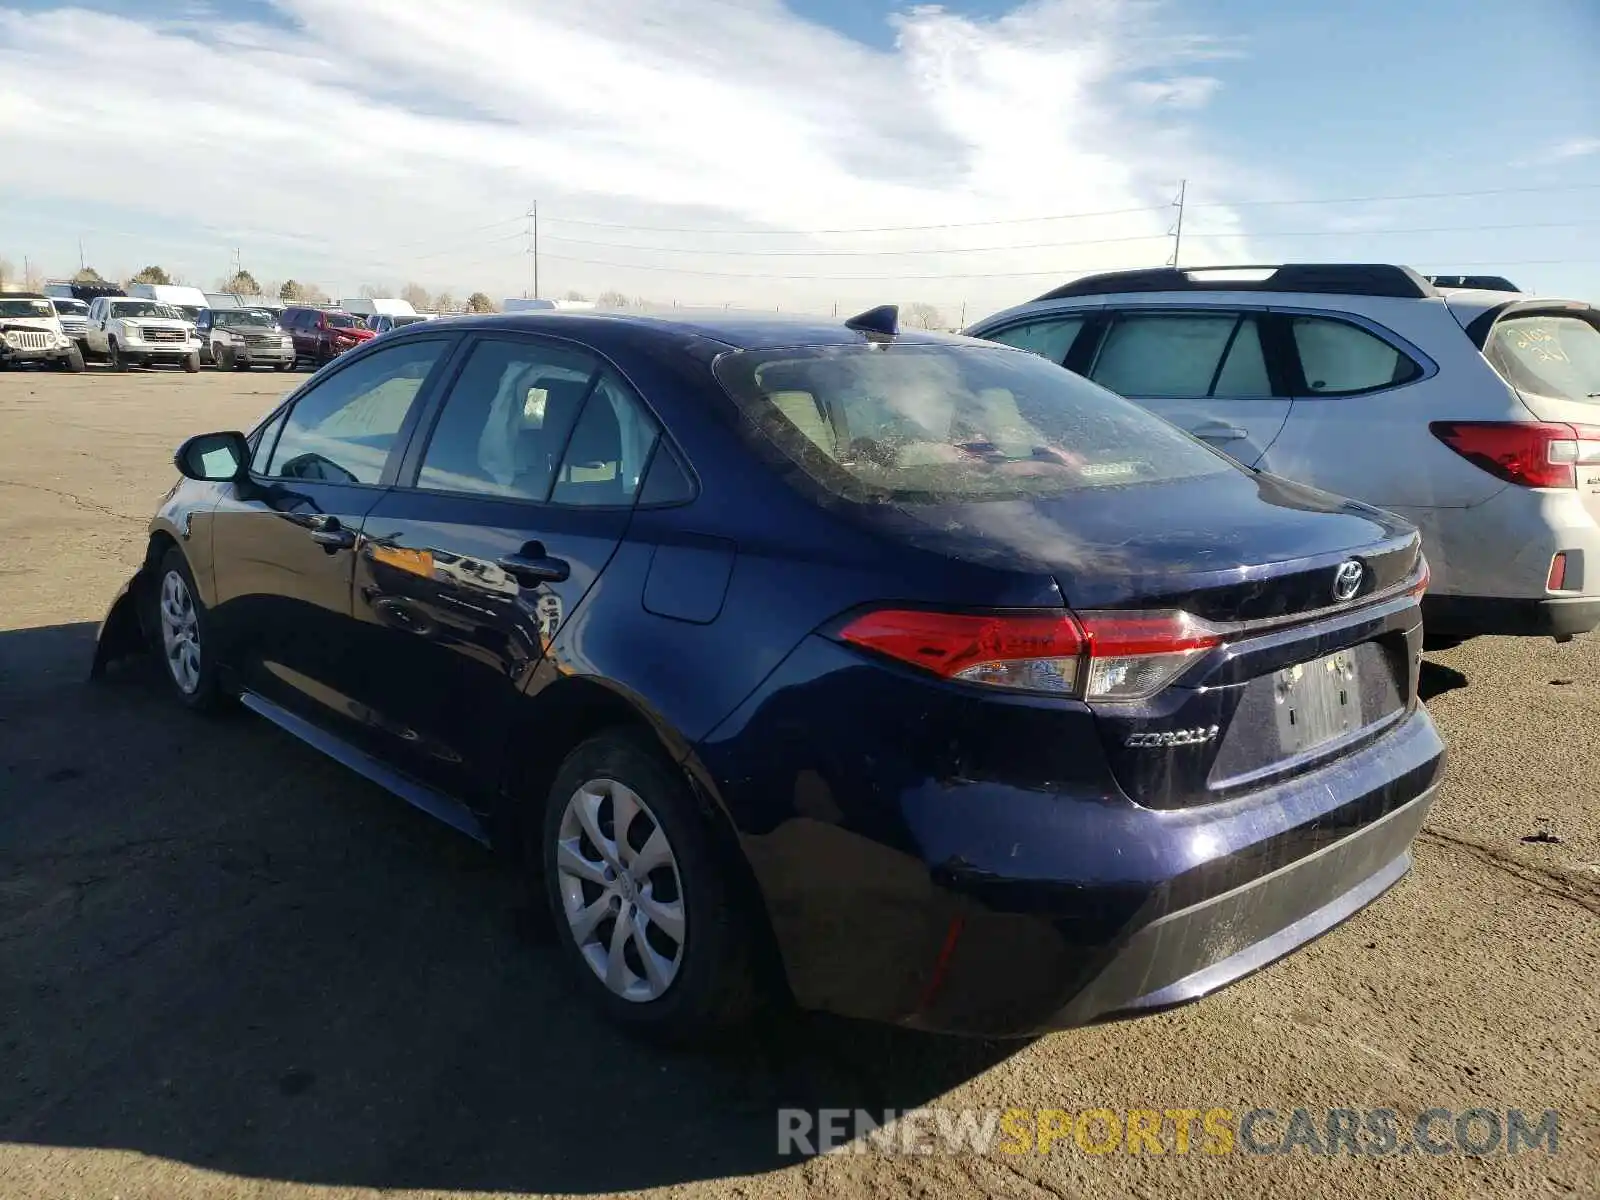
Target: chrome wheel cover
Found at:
620, 890
180, 633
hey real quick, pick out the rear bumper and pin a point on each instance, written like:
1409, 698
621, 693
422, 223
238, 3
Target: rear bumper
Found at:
1472, 616
968, 866
1190, 953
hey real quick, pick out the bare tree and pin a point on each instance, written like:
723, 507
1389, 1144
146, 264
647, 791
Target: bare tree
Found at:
443, 302
479, 302
612, 299
924, 316
7, 273
415, 295
574, 294
240, 283
370, 290
33, 277
87, 275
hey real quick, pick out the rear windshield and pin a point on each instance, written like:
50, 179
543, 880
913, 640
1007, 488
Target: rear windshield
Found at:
339, 320
910, 424
1548, 354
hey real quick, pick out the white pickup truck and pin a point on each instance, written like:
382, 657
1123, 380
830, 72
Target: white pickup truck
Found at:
127, 331
30, 331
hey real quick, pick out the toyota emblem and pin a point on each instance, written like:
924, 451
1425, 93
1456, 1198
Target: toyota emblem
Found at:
1347, 580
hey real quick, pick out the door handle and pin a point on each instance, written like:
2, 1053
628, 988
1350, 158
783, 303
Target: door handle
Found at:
532, 566
330, 535
1220, 432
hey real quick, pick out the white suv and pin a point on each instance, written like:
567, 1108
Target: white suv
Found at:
1473, 413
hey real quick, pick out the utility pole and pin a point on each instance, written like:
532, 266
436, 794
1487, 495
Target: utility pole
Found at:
81, 263
963, 314
533, 247
1177, 230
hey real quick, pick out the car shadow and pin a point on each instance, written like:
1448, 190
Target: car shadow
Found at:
1435, 679
222, 949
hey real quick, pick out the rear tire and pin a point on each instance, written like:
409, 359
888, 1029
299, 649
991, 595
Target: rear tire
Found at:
660, 886
182, 628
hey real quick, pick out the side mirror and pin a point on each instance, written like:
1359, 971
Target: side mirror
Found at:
214, 457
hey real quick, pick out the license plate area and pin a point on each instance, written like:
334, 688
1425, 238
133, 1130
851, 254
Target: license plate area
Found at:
1318, 701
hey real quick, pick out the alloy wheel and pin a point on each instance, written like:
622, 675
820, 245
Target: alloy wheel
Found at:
620, 890
180, 633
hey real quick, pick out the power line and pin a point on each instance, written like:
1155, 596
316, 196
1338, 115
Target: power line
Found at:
1143, 237
1075, 216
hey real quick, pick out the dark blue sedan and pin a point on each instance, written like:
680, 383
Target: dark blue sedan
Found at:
897, 674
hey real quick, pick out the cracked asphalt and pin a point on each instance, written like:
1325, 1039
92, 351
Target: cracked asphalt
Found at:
229, 968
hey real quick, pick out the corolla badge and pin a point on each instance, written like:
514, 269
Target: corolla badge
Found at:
1347, 580
1197, 736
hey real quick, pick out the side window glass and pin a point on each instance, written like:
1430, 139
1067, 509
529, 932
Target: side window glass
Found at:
1338, 358
265, 440
1244, 372
665, 482
341, 431
1158, 355
1048, 339
609, 448
506, 420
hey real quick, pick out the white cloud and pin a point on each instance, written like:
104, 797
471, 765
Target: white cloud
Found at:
371, 143
1182, 91
1578, 147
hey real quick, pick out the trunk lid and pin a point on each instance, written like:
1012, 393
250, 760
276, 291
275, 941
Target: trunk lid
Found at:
1306, 672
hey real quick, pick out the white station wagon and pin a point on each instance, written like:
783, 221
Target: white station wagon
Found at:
1474, 413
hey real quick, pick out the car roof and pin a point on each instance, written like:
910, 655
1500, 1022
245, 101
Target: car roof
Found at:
742, 331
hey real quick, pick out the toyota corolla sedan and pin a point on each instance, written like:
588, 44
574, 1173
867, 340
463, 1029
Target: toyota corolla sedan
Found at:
890, 673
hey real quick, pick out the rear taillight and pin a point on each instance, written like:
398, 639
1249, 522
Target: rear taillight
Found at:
1542, 454
1094, 656
1424, 577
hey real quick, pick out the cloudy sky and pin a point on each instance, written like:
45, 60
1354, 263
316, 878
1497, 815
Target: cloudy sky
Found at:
798, 154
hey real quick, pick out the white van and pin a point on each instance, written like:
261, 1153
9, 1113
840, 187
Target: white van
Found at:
190, 301
372, 306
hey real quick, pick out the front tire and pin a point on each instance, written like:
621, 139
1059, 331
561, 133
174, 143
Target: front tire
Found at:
191, 362
114, 354
641, 894
72, 361
182, 626
222, 359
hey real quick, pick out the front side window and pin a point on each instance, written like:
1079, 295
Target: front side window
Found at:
506, 421
927, 424
342, 429
1050, 338
1183, 355
1338, 358
1546, 354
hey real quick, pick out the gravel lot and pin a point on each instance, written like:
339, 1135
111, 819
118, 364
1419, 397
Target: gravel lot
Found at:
230, 968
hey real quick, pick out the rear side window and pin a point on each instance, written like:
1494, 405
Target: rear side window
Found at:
342, 429
506, 421
1183, 355
1548, 355
606, 455
1048, 339
1338, 358
925, 424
